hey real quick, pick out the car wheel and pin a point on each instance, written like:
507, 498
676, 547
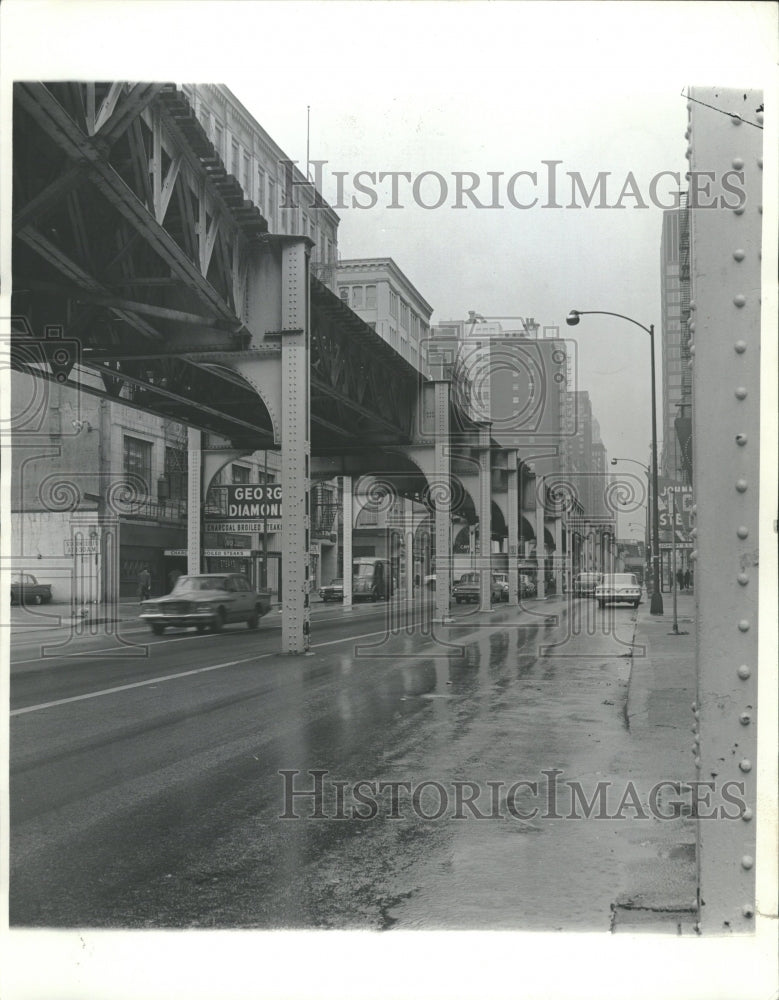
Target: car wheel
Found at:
37, 599
219, 621
253, 620
157, 629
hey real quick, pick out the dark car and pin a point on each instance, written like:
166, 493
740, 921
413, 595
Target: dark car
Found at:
333, 591
468, 588
208, 601
25, 589
585, 583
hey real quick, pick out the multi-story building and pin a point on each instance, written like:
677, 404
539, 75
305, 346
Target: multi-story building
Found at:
676, 378
269, 178
384, 297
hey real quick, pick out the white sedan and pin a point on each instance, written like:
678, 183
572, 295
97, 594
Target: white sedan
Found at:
618, 588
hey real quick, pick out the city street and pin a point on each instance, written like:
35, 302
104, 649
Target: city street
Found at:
146, 787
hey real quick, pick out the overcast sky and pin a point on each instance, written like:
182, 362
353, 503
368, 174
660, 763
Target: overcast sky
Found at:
446, 87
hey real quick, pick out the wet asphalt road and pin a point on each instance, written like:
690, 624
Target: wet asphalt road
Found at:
146, 787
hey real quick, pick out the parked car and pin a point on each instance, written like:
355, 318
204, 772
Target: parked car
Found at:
208, 601
372, 579
333, 591
502, 580
585, 583
527, 585
468, 588
25, 589
618, 588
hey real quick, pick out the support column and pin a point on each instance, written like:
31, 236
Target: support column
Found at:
485, 524
443, 503
346, 498
472, 544
540, 561
558, 556
512, 504
194, 508
408, 538
295, 450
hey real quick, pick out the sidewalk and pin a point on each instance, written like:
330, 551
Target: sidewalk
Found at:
661, 880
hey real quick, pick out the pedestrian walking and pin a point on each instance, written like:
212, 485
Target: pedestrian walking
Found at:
680, 579
144, 584
687, 579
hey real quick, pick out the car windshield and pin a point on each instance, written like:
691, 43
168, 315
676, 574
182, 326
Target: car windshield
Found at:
189, 584
337, 582
620, 579
469, 578
362, 569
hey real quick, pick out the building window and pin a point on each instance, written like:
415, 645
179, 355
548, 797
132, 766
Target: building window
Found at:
370, 296
247, 176
261, 189
272, 205
403, 315
176, 472
344, 293
234, 167
137, 461
393, 304
240, 474
219, 139
357, 297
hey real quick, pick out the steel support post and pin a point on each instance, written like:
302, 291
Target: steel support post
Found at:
443, 502
558, 555
295, 448
348, 516
194, 500
725, 324
408, 539
512, 503
540, 561
485, 526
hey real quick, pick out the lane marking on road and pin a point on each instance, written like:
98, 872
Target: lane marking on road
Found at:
187, 673
138, 684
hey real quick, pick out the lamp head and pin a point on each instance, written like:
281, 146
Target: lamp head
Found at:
613, 461
572, 318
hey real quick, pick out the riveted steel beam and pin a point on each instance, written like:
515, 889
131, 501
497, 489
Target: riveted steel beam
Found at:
725, 135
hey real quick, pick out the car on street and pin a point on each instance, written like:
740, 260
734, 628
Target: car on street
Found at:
211, 600
618, 588
502, 580
527, 586
333, 591
468, 589
584, 584
25, 589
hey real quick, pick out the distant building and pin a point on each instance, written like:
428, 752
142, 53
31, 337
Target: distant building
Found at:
384, 297
676, 374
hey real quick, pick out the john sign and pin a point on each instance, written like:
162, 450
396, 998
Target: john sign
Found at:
254, 501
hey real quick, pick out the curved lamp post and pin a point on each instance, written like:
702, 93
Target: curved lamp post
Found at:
572, 319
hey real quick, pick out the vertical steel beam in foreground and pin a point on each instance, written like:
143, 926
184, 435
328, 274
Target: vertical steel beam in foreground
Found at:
348, 515
558, 555
295, 446
512, 525
725, 325
194, 462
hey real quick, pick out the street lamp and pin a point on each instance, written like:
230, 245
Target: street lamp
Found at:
572, 319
